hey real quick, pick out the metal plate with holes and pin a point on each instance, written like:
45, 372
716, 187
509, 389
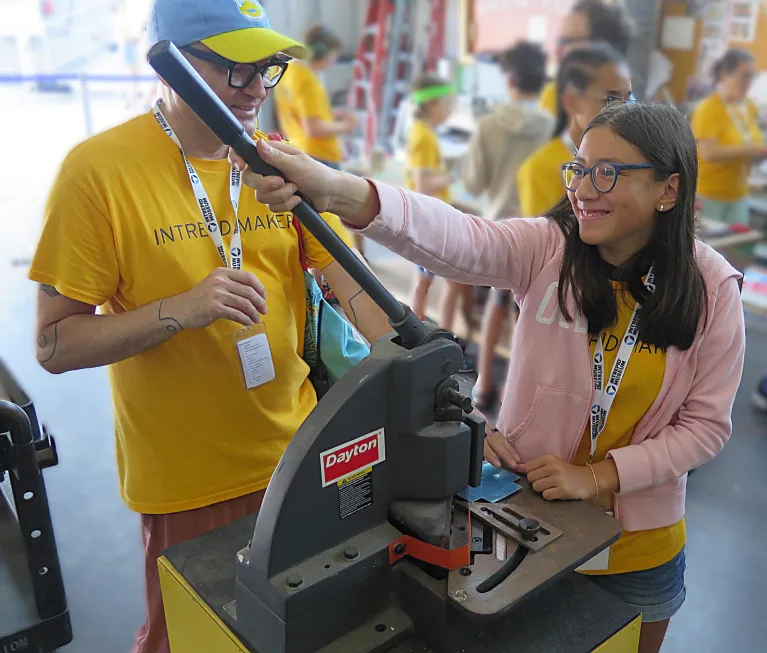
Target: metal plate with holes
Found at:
506, 519
583, 531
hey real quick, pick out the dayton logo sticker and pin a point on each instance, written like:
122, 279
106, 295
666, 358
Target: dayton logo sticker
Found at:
250, 9
351, 457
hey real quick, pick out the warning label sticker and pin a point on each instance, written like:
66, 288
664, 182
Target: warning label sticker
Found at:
355, 492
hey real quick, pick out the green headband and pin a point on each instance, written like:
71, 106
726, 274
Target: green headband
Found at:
426, 94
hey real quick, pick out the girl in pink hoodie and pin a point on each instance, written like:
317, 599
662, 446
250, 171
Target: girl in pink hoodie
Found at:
630, 341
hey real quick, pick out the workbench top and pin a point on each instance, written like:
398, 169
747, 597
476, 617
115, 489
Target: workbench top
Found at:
572, 616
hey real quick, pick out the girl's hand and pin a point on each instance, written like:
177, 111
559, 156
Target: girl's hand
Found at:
498, 452
556, 479
314, 180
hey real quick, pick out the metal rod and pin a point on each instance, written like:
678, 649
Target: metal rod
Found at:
179, 74
86, 106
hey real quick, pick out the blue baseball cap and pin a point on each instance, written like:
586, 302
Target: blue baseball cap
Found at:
236, 29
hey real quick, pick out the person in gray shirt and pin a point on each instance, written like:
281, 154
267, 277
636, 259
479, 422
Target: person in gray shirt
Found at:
501, 143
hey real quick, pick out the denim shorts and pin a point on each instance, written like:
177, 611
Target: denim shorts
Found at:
657, 593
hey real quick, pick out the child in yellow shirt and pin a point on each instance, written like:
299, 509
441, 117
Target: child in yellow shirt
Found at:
303, 106
729, 140
589, 78
426, 173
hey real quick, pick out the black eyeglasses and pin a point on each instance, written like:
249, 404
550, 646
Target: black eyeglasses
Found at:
604, 176
242, 74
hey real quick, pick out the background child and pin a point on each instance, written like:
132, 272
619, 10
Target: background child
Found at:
426, 173
589, 79
502, 141
304, 111
303, 106
589, 21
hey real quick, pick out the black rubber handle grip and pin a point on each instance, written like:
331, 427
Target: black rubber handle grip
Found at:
179, 74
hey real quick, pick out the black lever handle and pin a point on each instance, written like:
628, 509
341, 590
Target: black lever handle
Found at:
477, 454
179, 74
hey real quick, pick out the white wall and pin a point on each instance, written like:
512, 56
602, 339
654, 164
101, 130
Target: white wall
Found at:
344, 17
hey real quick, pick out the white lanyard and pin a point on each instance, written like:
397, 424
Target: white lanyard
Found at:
739, 115
603, 399
203, 201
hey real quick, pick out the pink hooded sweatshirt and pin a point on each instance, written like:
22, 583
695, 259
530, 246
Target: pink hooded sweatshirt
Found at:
549, 389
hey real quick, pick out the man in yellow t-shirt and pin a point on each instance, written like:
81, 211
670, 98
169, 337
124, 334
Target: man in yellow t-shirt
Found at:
149, 234
303, 106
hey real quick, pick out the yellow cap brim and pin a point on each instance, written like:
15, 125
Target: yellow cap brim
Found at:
254, 44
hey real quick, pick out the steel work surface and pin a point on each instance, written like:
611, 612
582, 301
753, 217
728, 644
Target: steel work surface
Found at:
573, 615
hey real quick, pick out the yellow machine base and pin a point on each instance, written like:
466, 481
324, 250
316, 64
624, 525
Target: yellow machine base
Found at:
194, 628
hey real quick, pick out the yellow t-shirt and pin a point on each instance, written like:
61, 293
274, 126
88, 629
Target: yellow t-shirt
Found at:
638, 550
122, 229
300, 95
548, 99
539, 178
423, 154
725, 181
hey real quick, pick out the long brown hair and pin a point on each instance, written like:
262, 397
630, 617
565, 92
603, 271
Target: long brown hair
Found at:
669, 316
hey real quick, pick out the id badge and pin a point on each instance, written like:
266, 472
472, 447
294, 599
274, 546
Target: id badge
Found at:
255, 355
601, 561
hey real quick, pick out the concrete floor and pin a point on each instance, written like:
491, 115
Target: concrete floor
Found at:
98, 538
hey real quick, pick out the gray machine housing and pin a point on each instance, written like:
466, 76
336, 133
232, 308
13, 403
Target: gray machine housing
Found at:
299, 594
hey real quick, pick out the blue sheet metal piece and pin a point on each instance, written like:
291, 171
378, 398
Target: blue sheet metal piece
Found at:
497, 484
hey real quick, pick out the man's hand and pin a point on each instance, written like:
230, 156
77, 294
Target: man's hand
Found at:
224, 294
557, 479
498, 452
350, 122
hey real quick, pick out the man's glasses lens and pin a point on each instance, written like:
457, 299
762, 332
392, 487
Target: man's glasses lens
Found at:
603, 176
244, 73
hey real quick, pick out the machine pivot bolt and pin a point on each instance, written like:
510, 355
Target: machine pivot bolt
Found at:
399, 548
351, 552
294, 582
529, 527
455, 398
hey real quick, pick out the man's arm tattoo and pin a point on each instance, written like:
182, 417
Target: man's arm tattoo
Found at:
47, 350
49, 290
172, 324
353, 316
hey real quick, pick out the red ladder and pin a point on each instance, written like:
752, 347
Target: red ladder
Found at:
387, 62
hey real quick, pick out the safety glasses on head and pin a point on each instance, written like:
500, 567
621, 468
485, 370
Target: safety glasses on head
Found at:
604, 175
242, 75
